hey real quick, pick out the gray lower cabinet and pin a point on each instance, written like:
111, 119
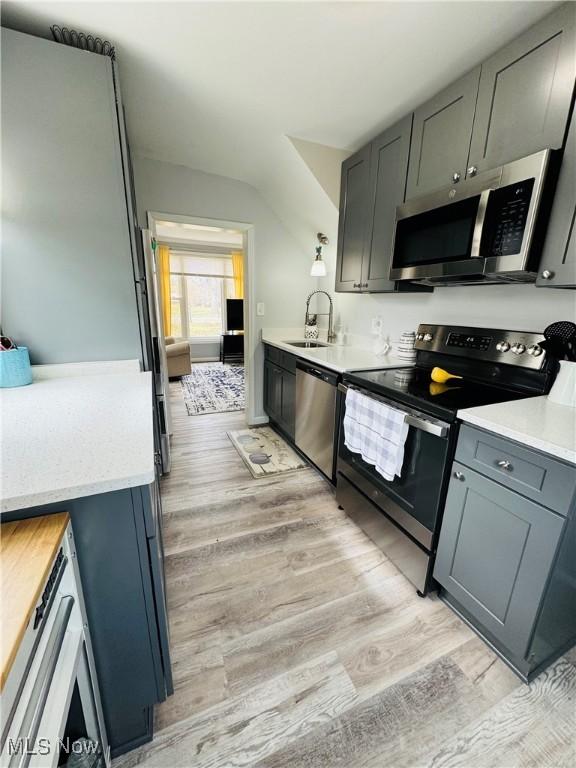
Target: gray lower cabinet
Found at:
272, 390
525, 93
120, 557
441, 137
495, 553
288, 406
354, 201
499, 551
280, 389
558, 264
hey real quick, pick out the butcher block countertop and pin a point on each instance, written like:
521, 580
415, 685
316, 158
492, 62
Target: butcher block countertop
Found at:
27, 550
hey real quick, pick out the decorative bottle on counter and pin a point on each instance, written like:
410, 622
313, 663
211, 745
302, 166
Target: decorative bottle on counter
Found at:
311, 327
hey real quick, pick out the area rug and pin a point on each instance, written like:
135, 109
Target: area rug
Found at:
213, 388
264, 452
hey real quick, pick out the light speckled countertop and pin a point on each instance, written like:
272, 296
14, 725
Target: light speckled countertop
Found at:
534, 421
339, 358
73, 436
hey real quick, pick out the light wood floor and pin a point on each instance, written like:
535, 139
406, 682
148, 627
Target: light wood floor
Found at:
296, 643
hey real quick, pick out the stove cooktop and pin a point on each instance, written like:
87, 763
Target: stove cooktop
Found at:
414, 387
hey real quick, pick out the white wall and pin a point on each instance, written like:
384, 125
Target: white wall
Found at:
282, 267
516, 307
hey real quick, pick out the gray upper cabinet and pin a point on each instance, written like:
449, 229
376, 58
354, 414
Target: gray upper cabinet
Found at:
558, 265
354, 201
388, 168
373, 185
441, 137
525, 93
495, 552
514, 104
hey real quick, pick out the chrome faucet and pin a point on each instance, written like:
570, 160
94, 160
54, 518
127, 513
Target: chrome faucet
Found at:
331, 335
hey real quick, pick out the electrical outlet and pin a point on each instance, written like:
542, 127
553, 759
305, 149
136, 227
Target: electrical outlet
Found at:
377, 325
260, 309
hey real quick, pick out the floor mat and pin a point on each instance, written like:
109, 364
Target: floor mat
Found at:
214, 388
264, 452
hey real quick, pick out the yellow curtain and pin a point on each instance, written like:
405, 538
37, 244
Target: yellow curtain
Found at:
165, 299
238, 272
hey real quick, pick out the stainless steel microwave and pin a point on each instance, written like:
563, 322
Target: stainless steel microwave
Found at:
487, 229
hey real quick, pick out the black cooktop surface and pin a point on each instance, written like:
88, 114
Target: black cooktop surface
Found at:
414, 387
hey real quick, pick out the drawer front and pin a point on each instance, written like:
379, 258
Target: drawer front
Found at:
288, 362
279, 357
273, 354
538, 477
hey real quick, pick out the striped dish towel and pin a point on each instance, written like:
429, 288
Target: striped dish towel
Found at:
376, 431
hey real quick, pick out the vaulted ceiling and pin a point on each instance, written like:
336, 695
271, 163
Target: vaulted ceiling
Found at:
220, 86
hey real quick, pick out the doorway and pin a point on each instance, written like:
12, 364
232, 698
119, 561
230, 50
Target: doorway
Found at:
205, 272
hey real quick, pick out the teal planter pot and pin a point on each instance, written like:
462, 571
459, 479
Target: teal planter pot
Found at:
15, 370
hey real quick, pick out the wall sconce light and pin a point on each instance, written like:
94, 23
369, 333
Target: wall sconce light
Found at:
318, 268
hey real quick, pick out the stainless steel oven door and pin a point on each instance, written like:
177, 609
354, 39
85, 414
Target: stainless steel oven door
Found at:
412, 500
476, 230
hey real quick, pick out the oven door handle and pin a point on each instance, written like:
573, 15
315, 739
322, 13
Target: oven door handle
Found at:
425, 425
35, 709
431, 426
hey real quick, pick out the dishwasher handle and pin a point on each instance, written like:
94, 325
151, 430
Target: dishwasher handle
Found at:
318, 373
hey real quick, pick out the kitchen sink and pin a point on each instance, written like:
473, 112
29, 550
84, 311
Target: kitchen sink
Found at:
307, 344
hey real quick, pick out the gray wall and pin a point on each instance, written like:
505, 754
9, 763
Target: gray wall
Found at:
67, 278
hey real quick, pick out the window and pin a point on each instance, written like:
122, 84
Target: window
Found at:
199, 287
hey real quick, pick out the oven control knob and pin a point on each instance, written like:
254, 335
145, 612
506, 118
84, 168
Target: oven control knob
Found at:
419, 336
428, 337
535, 350
502, 346
519, 349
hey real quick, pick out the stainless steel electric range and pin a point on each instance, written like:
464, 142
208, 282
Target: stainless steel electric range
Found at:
403, 516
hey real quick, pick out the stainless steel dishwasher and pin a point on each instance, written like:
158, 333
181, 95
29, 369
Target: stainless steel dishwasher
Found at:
316, 415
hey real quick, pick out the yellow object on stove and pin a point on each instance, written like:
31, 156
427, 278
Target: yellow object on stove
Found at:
440, 376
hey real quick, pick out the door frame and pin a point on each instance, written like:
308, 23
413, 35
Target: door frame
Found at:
247, 230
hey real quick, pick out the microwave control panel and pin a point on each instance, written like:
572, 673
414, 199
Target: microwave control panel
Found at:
506, 218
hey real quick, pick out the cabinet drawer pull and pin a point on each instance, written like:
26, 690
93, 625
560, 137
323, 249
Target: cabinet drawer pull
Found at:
505, 464
459, 476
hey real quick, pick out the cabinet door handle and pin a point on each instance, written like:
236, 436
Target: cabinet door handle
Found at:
357, 285
456, 177
505, 464
472, 171
459, 476
547, 274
